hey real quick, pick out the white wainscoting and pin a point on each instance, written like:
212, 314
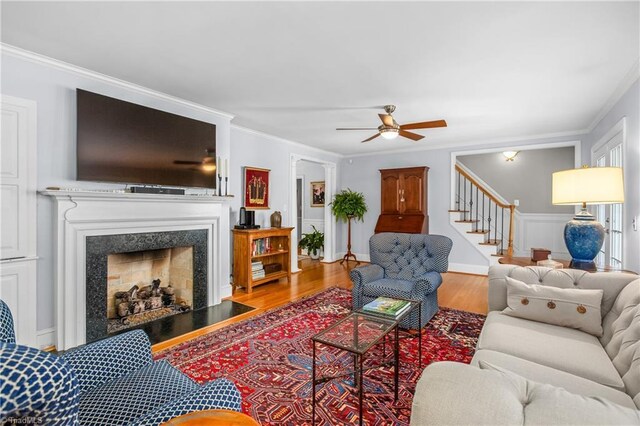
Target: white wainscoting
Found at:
307, 223
541, 230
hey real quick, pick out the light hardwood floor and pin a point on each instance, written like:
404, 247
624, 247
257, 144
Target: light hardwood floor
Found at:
458, 291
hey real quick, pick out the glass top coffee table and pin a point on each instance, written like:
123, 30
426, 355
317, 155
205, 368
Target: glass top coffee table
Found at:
357, 334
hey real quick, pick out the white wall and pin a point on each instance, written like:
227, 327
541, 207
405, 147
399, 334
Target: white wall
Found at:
627, 106
249, 148
360, 173
527, 178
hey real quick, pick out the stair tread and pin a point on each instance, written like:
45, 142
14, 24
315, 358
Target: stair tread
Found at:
467, 221
490, 243
458, 211
478, 232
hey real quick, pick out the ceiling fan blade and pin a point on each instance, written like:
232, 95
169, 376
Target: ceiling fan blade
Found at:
371, 138
357, 128
190, 163
412, 136
424, 125
387, 120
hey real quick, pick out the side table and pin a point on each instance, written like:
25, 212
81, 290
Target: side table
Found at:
566, 264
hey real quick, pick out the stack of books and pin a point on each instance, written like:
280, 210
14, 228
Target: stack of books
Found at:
386, 306
257, 270
261, 246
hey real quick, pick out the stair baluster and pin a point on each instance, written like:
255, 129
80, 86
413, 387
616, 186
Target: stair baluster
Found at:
482, 221
464, 199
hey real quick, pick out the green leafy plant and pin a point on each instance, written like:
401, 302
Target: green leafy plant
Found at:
313, 241
349, 204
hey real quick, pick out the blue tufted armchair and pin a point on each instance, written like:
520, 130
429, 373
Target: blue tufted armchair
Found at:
110, 382
406, 266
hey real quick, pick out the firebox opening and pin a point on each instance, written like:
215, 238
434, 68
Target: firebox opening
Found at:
147, 285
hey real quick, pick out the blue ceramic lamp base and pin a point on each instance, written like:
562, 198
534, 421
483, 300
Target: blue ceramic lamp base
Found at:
583, 236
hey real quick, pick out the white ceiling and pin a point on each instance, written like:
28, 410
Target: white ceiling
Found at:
298, 70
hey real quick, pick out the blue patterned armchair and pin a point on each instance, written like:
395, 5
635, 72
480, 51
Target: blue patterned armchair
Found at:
406, 266
110, 382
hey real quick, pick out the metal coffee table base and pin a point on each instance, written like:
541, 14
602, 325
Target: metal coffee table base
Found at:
358, 370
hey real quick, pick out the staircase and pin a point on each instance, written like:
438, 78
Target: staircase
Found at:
482, 217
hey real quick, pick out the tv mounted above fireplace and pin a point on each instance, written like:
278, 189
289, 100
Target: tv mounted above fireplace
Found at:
119, 141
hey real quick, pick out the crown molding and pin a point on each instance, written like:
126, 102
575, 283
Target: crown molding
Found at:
627, 81
84, 72
286, 141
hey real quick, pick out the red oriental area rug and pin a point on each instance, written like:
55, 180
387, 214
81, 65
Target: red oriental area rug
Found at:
268, 357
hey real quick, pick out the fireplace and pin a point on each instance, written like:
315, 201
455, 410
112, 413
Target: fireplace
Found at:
136, 278
86, 223
147, 285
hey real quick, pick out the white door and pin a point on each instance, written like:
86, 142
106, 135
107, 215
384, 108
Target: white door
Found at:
610, 154
18, 214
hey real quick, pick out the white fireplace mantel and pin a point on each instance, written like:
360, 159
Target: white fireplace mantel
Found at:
80, 214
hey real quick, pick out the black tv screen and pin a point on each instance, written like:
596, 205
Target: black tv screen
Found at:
119, 141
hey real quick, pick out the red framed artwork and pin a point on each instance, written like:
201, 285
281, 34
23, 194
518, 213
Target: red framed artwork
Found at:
256, 188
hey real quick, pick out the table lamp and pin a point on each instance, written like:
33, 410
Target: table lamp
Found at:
584, 235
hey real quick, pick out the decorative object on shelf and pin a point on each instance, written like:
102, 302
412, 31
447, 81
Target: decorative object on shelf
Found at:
510, 155
276, 219
317, 194
539, 254
226, 176
219, 163
583, 235
347, 205
256, 188
313, 242
550, 263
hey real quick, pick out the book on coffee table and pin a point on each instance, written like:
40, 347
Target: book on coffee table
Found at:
387, 306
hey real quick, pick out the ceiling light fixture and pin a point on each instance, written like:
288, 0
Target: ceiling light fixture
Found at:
389, 133
510, 155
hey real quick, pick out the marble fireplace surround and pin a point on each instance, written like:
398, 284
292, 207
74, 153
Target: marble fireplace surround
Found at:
82, 214
99, 247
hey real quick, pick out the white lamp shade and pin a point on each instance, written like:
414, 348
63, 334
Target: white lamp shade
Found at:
593, 185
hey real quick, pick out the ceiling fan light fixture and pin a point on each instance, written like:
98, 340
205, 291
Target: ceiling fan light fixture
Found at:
510, 155
389, 133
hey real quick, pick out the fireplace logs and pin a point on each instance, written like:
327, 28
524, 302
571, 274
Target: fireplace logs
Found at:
147, 298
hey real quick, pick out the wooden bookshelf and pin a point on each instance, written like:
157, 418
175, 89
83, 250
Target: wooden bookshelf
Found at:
269, 246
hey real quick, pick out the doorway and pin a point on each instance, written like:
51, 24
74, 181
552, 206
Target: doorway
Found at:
312, 210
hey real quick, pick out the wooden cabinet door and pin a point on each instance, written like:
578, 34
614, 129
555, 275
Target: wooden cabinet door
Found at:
412, 192
390, 192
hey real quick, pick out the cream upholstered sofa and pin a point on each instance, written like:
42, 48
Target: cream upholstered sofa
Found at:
532, 373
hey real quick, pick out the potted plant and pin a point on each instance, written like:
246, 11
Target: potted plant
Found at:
347, 205
313, 242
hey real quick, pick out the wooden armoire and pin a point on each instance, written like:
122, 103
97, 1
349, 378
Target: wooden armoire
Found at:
404, 201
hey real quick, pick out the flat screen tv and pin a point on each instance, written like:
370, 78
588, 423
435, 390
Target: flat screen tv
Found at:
119, 141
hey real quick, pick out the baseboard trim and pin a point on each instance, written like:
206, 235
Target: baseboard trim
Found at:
360, 256
225, 291
46, 338
465, 268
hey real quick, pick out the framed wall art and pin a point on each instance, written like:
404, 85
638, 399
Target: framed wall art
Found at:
256, 188
317, 194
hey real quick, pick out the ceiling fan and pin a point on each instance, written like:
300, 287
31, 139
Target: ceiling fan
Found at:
208, 163
389, 129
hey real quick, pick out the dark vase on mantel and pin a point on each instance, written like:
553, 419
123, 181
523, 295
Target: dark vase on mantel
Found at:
276, 220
